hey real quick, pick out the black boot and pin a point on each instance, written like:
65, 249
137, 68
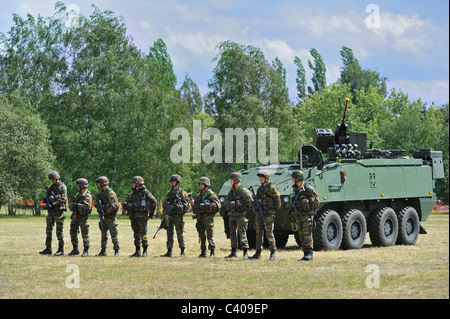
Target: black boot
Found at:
74, 251
144, 251
245, 255
182, 252
257, 254
137, 253
168, 254
272, 254
116, 252
212, 254
60, 251
203, 253
47, 250
233, 253
85, 251
102, 252
308, 255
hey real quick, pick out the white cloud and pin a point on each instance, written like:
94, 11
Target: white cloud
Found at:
437, 90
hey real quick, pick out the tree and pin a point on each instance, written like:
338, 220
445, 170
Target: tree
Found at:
319, 72
31, 58
300, 80
247, 91
190, 94
25, 154
352, 73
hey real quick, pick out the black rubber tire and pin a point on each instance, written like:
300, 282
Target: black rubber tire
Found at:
383, 227
408, 226
328, 231
354, 229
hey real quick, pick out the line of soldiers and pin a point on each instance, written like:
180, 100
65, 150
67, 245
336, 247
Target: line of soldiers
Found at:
141, 205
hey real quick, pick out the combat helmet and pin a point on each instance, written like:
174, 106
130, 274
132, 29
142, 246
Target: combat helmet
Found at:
205, 180
138, 180
263, 173
176, 178
298, 174
236, 176
83, 182
54, 175
102, 180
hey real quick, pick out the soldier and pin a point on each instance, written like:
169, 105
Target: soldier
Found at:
206, 205
81, 207
55, 202
107, 198
178, 197
141, 206
239, 201
269, 201
306, 203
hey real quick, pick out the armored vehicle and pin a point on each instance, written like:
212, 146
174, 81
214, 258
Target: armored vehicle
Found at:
360, 190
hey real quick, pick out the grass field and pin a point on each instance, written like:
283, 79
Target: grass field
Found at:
419, 271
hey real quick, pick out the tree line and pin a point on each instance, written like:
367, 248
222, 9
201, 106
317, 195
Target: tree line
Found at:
85, 101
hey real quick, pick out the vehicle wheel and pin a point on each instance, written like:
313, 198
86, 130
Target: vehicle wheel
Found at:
383, 227
328, 231
281, 240
408, 226
354, 229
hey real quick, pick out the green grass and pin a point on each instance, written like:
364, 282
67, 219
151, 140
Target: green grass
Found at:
419, 271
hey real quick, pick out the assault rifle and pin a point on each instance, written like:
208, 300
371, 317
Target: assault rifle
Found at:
258, 206
292, 207
48, 201
169, 212
100, 208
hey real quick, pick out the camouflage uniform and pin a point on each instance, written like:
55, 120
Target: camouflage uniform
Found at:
306, 205
238, 202
141, 206
81, 207
269, 200
177, 219
206, 205
57, 194
111, 206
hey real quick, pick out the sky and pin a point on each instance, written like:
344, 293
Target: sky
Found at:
405, 41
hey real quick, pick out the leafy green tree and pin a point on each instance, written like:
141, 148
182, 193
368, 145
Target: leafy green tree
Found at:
300, 80
25, 154
31, 59
190, 94
319, 72
246, 91
352, 73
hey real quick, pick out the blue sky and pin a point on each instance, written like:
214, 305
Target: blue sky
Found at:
409, 45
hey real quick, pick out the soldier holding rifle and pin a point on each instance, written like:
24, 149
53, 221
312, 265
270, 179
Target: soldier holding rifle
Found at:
107, 206
141, 206
81, 207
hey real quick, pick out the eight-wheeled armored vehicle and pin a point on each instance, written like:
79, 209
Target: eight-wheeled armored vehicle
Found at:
360, 190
